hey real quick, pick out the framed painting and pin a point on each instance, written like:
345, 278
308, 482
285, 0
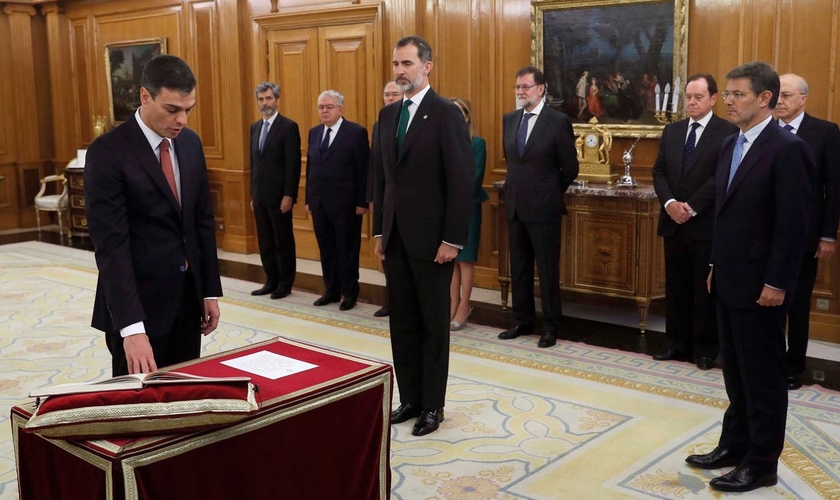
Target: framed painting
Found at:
124, 62
606, 58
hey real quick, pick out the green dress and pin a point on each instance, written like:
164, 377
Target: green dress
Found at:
470, 251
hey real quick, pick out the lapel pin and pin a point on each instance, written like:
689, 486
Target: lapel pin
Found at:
425, 116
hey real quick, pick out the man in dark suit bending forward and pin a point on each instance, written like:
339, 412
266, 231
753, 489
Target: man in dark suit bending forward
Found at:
152, 228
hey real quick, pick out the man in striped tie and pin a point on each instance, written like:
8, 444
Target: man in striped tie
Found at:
275, 175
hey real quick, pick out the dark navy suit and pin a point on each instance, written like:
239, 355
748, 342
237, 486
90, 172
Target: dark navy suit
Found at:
759, 234
156, 256
336, 183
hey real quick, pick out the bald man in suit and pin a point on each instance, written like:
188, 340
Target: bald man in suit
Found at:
823, 137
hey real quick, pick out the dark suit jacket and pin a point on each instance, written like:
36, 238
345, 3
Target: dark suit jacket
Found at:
337, 181
275, 172
761, 221
427, 186
141, 236
695, 184
535, 183
824, 139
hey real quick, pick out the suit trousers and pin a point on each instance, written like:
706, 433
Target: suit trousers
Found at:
540, 242
752, 347
339, 238
800, 315
276, 239
418, 293
181, 343
690, 323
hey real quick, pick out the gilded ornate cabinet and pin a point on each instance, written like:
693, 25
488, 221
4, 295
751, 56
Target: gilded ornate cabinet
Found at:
609, 244
78, 216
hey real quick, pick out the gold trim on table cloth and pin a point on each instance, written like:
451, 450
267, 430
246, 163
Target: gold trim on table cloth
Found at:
131, 463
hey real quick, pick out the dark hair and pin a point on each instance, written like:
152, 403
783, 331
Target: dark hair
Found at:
424, 50
539, 77
711, 84
168, 72
762, 77
267, 86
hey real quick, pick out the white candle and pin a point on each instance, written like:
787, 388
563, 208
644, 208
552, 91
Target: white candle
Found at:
676, 100
656, 99
665, 98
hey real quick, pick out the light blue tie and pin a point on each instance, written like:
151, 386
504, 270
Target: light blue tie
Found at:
264, 134
736, 158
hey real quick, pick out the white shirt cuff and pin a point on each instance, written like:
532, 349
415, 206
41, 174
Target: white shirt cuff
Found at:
459, 247
672, 200
133, 329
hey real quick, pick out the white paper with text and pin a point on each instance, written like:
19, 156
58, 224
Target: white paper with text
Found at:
269, 365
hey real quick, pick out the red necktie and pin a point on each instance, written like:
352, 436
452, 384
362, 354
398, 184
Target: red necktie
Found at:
166, 165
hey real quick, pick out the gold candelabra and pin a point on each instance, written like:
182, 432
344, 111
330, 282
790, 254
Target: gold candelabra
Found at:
663, 114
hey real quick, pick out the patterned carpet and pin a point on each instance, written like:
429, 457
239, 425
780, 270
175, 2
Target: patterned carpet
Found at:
571, 422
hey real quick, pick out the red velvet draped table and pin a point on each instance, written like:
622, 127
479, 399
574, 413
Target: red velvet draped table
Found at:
320, 434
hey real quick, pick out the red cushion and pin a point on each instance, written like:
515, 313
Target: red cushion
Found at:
158, 409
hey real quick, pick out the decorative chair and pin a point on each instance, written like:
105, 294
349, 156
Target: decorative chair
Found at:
53, 202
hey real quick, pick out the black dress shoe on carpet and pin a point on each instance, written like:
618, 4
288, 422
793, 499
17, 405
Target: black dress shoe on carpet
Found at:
743, 478
280, 293
717, 459
671, 354
265, 290
382, 312
793, 382
427, 422
705, 363
326, 299
516, 331
548, 339
405, 411
347, 304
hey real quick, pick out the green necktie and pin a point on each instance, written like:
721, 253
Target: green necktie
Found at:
403, 124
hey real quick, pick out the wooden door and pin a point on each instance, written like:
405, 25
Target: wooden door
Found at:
306, 61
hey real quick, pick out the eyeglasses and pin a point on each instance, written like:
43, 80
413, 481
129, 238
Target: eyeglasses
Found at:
327, 107
517, 88
786, 96
392, 94
737, 95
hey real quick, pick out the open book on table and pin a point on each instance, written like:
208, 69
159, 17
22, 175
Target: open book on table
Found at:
128, 382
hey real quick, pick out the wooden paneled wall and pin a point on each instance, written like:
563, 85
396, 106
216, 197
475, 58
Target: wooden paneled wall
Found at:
57, 82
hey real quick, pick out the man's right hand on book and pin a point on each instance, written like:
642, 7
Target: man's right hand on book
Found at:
138, 354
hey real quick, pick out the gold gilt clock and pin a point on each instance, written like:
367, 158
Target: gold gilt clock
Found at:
593, 146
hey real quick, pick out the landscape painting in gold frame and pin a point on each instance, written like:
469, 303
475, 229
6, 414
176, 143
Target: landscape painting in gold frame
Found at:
604, 58
124, 62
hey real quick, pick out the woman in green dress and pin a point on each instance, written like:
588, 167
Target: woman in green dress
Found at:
462, 277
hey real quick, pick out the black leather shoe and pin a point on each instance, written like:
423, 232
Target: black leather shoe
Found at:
705, 363
717, 459
743, 478
516, 331
347, 304
326, 299
265, 290
280, 293
382, 312
406, 411
671, 354
548, 339
427, 422
793, 382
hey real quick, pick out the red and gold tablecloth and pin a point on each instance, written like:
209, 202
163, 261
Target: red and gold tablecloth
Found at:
320, 434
